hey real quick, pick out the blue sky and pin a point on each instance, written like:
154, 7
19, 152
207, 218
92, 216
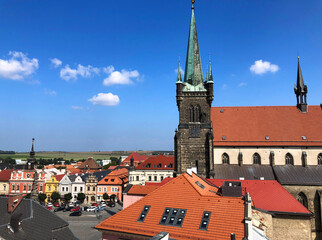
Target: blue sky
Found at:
112, 83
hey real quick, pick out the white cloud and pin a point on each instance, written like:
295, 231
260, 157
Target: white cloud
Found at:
260, 67
76, 107
242, 84
105, 99
115, 77
18, 67
68, 73
55, 62
50, 92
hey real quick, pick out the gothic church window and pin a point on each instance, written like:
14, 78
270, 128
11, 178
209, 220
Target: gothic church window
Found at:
302, 199
191, 114
289, 159
256, 159
320, 159
197, 114
225, 158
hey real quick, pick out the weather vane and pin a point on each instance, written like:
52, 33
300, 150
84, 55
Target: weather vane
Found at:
192, 2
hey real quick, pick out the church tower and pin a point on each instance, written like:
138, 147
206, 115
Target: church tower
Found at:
194, 138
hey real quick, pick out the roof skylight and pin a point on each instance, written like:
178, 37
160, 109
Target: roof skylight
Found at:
144, 213
173, 217
205, 221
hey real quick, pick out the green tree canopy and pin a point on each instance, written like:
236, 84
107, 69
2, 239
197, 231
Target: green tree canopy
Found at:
55, 196
68, 197
42, 197
105, 196
81, 197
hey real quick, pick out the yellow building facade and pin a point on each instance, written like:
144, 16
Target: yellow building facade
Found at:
51, 186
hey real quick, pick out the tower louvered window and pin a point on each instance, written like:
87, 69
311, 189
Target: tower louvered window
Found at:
256, 159
191, 114
289, 159
301, 197
320, 159
225, 158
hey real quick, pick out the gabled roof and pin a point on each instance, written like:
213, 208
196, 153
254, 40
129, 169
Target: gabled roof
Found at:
269, 196
141, 189
298, 175
192, 194
159, 162
59, 177
99, 175
89, 163
116, 177
136, 157
283, 125
5, 175
37, 222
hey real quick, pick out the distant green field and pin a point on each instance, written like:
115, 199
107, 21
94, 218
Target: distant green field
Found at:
71, 155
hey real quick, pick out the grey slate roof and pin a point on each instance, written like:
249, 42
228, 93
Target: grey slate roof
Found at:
37, 222
248, 172
99, 175
298, 175
72, 178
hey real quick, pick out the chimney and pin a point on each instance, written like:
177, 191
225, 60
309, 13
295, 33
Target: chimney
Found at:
231, 189
232, 236
248, 217
272, 158
132, 162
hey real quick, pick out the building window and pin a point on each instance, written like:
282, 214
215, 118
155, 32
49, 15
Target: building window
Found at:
93, 188
150, 178
18, 187
197, 114
225, 158
63, 189
24, 187
114, 189
191, 114
4, 187
137, 178
81, 189
256, 158
49, 188
66, 189
320, 159
40, 188
155, 178
55, 188
289, 159
75, 189
302, 199
161, 178
104, 189
100, 189
13, 187
88, 188
29, 187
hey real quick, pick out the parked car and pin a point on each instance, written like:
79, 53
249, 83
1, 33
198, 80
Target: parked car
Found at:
94, 204
71, 204
76, 213
103, 204
85, 208
91, 209
68, 209
99, 209
60, 208
75, 209
56, 204
49, 207
111, 204
50, 204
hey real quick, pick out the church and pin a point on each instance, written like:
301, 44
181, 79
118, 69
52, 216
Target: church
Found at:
282, 143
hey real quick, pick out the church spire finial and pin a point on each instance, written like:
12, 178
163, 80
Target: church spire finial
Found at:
179, 79
209, 78
193, 71
300, 89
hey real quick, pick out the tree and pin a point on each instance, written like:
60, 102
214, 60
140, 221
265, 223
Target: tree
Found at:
81, 197
42, 197
105, 196
68, 197
55, 196
27, 196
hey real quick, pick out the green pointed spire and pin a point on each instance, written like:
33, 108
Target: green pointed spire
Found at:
209, 73
193, 72
179, 79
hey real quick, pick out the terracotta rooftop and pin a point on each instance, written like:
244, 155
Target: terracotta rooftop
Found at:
5, 175
137, 159
59, 177
195, 197
282, 125
89, 163
116, 177
268, 195
142, 190
159, 162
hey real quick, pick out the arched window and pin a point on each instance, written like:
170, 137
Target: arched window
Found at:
256, 158
197, 114
289, 159
191, 114
302, 199
320, 159
225, 158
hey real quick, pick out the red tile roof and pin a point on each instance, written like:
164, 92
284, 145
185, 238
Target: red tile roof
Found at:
59, 177
137, 159
89, 163
5, 175
284, 125
159, 162
116, 177
268, 195
142, 190
227, 213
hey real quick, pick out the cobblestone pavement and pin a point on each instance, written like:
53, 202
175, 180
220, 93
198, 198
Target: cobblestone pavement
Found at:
83, 226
